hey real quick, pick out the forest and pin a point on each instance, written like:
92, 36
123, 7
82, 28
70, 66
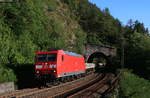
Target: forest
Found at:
27, 26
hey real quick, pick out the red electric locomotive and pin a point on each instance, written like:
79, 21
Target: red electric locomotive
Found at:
57, 63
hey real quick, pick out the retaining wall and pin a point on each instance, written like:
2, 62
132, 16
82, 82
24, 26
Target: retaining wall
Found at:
6, 87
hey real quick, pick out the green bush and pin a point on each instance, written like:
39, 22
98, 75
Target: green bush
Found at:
52, 5
6, 75
132, 86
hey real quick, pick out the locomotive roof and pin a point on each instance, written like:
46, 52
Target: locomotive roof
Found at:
66, 52
57, 49
72, 54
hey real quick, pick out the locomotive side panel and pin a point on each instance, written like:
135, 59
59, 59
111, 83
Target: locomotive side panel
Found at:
70, 65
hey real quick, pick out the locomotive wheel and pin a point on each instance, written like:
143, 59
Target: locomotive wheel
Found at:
83, 75
62, 79
71, 78
78, 76
68, 78
65, 79
74, 77
55, 82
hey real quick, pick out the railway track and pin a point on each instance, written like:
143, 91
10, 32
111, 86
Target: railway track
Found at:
103, 86
78, 88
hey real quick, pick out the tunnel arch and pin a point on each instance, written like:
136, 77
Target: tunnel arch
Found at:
102, 59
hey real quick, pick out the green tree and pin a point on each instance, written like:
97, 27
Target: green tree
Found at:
132, 86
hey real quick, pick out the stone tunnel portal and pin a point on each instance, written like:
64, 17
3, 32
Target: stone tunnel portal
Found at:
100, 55
100, 59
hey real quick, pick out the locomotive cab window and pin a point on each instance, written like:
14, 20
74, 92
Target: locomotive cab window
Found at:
41, 57
52, 57
46, 57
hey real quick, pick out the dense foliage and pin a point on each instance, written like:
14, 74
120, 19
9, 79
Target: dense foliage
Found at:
131, 86
137, 55
6, 74
32, 25
101, 27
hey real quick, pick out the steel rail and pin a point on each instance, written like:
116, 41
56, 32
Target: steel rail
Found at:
17, 92
87, 86
51, 90
74, 89
98, 89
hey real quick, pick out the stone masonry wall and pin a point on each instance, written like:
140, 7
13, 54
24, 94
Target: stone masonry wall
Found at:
6, 87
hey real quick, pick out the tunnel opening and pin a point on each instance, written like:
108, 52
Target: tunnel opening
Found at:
99, 59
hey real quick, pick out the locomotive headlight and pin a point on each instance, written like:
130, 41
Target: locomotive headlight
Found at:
52, 66
38, 66
37, 72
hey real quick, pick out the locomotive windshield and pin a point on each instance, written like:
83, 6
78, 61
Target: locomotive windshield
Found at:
46, 57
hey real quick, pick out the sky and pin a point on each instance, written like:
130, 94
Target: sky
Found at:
127, 9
